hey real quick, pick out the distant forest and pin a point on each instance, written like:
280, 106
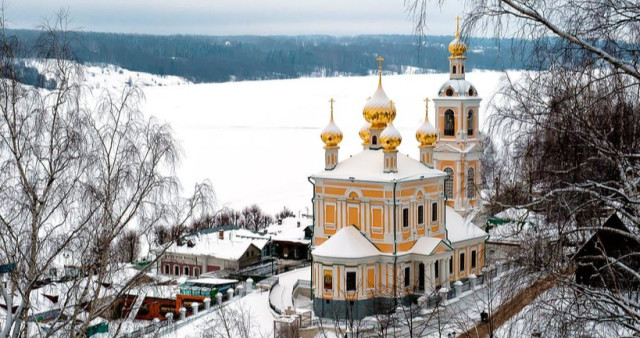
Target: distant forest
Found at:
236, 58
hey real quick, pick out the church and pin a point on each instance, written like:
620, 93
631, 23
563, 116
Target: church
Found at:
389, 228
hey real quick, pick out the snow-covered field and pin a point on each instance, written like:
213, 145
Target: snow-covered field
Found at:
258, 141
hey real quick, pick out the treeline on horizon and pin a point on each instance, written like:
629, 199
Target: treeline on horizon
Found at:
235, 58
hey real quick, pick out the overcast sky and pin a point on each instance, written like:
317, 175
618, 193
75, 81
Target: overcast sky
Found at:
233, 17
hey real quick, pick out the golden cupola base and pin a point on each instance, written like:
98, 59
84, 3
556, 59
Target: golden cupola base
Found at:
331, 136
378, 111
427, 136
365, 135
390, 139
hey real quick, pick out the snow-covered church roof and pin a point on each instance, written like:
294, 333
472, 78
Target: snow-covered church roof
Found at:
348, 242
368, 165
461, 229
460, 87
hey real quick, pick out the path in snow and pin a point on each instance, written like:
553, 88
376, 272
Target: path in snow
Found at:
512, 307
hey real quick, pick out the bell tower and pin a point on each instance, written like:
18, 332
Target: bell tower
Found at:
458, 148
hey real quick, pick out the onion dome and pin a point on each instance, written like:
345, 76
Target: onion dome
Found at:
365, 134
378, 110
426, 134
390, 137
331, 135
457, 47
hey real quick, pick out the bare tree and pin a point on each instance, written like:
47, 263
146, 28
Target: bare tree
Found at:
127, 247
74, 179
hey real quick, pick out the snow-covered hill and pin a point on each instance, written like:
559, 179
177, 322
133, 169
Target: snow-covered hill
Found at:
106, 76
258, 141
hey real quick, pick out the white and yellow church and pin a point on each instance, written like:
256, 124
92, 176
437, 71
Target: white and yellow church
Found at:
388, 227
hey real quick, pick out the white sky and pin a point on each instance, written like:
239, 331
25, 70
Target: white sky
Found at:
234, 17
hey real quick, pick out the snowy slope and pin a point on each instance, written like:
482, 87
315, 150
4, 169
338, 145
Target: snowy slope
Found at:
258, 141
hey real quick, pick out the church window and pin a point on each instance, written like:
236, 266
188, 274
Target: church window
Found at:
448, 123
407, 276
328, 280
374, 140
451, 266
196, 272
176, 270
421, 214
462, 261
449, 91
448, 183
434, 212
470, 91
351, 281
167, 270
186, 270
462, 69
454, 69
470, 122
471, 183
473, 259
405, 217
436, 269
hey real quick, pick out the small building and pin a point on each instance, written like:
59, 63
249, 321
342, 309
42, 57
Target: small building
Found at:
594, 259
211, 251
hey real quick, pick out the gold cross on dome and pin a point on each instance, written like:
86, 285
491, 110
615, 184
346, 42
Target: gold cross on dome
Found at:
426, 108
380, 59
331, 101
458, 26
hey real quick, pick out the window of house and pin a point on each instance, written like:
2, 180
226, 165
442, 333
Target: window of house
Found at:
471, 185
351, 281
176, 270
167, 270
448, 183
449, 123
186, 270
407, 276
462, 261
420, 214
473, 259
328, 280
405, 217
434, 211
437, 271
470, 122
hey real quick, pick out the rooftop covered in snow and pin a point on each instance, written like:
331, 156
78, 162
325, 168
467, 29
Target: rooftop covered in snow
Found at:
368, 165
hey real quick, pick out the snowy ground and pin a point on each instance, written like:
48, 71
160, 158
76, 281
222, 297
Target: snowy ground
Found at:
258, 141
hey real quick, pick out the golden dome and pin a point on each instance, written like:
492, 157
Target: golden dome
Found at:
331, 135
365, 134
426, 134
379, 110
457, 47
390, 137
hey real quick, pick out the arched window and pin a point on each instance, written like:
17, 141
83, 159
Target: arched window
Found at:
449, 91
471, 186
374, 140
167, 270
454, 69
186, 270
448, 183
462, 69
448, 123
196, 272
176, 270
470, 123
